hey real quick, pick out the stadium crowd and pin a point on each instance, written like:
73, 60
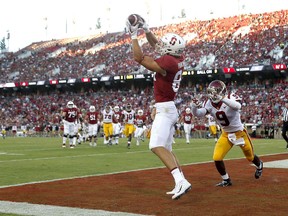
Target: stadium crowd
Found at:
227, 42
262, 103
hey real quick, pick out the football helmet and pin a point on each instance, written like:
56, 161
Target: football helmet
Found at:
216, 91
70, 104
128, 107
171, 44
140, 112
188, 110
92, 109
107, 108
116, 109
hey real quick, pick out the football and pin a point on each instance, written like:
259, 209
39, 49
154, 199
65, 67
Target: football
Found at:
133, 19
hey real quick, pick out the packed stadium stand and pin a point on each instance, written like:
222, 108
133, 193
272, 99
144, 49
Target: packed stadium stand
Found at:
240, 43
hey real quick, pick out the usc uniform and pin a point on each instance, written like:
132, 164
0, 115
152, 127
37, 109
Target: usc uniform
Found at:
233, 132
128, 117
107, 115
225, 109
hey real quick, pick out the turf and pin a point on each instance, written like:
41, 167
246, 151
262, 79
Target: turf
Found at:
32, 159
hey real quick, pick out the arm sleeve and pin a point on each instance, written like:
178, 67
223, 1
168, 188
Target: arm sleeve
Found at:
199, 112
235, 105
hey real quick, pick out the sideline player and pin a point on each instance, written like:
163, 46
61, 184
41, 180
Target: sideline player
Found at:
128, 119
140, 122
92, 118
212, 127
116, 124
186, 118
107, 115
69, 115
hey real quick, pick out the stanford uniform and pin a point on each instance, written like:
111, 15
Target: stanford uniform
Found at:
165, 89
92, 123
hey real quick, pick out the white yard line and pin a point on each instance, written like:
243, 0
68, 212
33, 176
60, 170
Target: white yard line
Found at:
40, 210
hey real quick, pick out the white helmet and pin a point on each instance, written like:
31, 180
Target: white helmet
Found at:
92, 109
116, 108
216, 89
171, 44
140, 112
70, 104
188, 110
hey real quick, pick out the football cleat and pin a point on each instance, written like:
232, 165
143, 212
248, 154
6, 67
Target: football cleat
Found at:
224, 183
172, 191
63, 145
259, 170
181, 188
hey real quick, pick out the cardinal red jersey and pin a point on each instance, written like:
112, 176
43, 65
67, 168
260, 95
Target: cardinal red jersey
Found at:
92, 117
117, 117
71, 114
140, 120
187, 118
166, 87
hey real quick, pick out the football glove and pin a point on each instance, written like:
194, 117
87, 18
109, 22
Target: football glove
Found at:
143, 24
195, 102
132, 29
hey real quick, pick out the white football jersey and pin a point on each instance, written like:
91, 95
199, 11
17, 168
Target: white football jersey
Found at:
228, 118
107, 116
129, 117
211, 120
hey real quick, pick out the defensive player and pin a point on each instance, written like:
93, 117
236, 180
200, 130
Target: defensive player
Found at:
225, 108
128, 119
212, 126
106, 117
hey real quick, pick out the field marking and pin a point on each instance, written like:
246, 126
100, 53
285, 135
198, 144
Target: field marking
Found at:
39, 210
90, 155
113, 173
6, 153
22, 208
277, 164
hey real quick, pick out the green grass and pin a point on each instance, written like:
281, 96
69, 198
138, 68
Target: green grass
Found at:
32, 159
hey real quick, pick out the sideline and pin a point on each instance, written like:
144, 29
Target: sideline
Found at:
40, 210
112, 173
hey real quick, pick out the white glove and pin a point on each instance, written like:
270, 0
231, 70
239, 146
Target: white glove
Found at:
132, 29
195, 102
218, 97
143, 24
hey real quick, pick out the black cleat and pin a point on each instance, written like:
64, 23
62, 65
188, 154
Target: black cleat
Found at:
258, 172
224, 183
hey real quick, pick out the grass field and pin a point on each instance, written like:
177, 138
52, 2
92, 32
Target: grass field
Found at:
27, 160
24, 160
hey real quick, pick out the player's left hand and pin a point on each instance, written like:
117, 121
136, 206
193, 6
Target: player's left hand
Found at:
132, 29
143, 24
195, 102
